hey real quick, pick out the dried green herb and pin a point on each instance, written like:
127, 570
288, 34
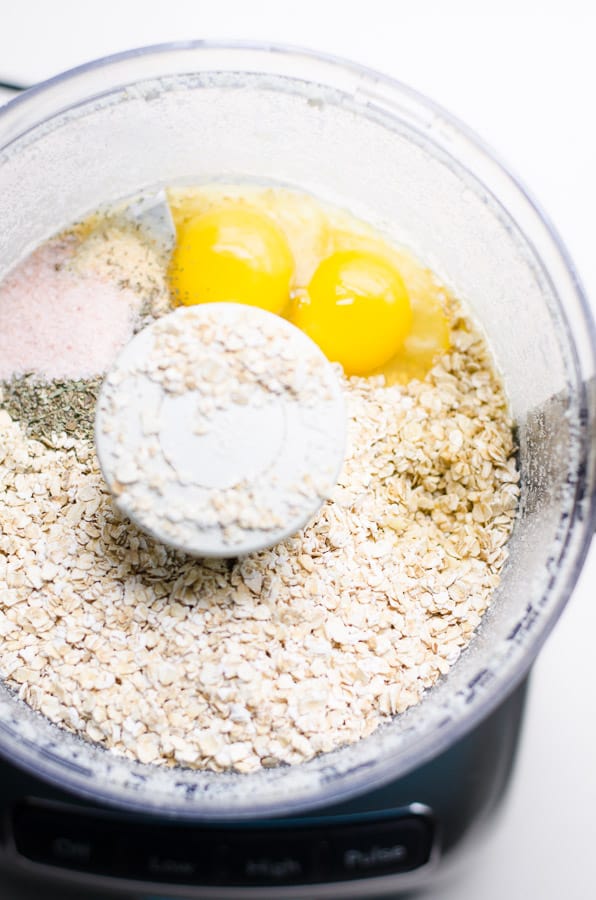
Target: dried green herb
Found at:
50, 408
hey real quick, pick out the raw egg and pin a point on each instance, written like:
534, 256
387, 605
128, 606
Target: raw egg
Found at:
233, 254
428, 337
356, 308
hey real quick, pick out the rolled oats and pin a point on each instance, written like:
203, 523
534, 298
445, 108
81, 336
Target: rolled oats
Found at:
294, 650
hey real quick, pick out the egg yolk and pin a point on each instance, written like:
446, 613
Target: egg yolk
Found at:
232, 254
428, 337
356, 308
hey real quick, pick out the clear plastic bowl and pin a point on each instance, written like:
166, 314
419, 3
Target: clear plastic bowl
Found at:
199, 112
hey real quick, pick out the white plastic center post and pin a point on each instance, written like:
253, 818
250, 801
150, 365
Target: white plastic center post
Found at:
221, 429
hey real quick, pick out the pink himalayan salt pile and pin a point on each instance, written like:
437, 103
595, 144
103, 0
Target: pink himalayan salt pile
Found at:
58, 323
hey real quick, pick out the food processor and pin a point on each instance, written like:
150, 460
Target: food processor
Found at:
395, 810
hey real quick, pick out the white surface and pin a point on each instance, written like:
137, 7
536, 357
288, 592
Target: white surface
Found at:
522, 74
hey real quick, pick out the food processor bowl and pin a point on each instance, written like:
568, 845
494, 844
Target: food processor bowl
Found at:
200, 112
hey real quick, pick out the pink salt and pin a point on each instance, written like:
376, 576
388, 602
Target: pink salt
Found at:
58, 323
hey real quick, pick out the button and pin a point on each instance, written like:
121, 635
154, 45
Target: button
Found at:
167, 855
72, 849
55, 839
380, 848
269, 858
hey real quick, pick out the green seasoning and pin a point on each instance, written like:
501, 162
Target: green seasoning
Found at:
50, 408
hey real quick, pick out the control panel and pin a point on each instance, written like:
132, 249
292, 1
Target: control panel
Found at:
101, 843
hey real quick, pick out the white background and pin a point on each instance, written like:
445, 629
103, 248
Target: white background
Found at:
523, 75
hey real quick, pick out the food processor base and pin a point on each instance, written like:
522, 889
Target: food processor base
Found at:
381, 844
